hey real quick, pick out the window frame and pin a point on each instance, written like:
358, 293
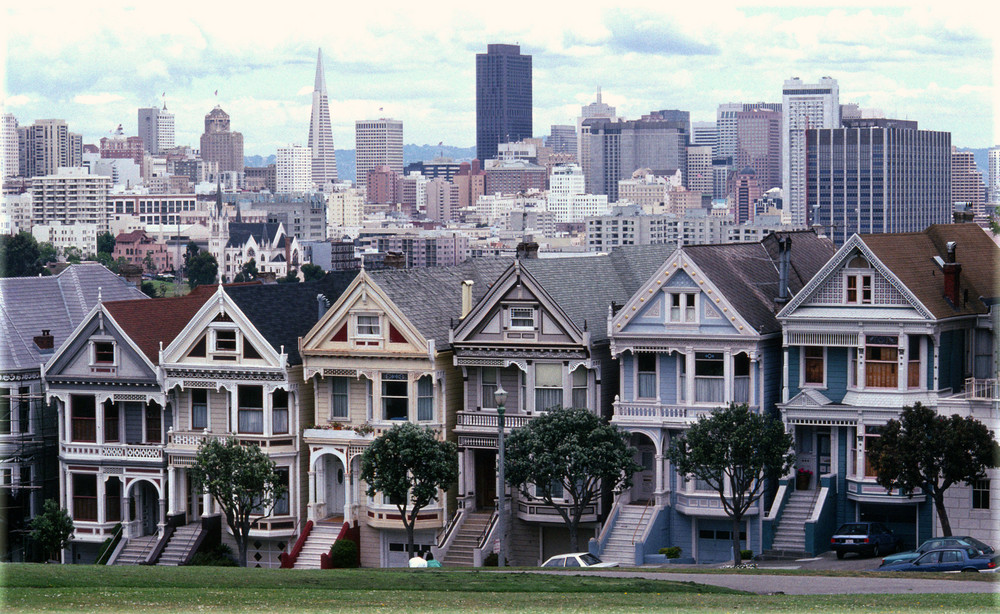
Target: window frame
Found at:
487, 390
538, 388
372, 331
576, 388
804, 360
422, 399
195, 406
334, 395
217, 349
390, 379
858, 288
98, 350
639, 373
514, 317
980, 491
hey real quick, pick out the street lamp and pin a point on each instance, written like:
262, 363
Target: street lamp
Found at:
500, 396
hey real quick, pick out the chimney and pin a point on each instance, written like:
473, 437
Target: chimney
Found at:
321, 305
466, 297
784, 260
952, 276
527, 251
45, 341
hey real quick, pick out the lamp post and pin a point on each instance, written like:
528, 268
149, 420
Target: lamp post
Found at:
500, 396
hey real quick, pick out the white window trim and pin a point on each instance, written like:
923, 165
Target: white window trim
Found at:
656, 371
331, 417
208, 409
802, 369
670, 294
357, 325
93, 352
510, 316
214, 349
860, 274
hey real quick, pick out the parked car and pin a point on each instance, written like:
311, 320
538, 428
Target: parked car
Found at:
948, 559
864, 538
936, 543
577, 559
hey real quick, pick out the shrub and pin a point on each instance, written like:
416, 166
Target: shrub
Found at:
746, 555
220, 555
344, 554
108, 545
492, 559
673, 552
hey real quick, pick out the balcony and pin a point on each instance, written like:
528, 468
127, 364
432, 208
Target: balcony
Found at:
652, 413
481, 421
387, 516
706, 505
188, 442
867, 490
111, 451
533, 510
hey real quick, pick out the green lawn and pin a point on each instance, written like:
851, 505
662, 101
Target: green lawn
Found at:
76, 588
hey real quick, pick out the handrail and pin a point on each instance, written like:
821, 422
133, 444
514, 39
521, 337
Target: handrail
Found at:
118, 550
147, 550
288, 559
161, 544
609, 522
112, 546
450, 528
484, 537
639, 524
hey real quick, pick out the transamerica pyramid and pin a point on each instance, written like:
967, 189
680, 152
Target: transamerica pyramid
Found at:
324, 163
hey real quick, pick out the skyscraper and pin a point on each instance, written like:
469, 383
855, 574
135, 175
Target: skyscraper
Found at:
503, 98
377, 142
293, 170
875, 176
594, 110
805, 106
758, 145
156, 129
706, 133
562, 139
324, 162
994, 174
967, 185
618, 148
219, 144
725, 124
8, 141
45, 146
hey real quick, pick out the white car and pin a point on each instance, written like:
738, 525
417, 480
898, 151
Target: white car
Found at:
577, 559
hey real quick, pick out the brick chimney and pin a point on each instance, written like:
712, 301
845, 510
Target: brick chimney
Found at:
784, 261
45, 341
952, 276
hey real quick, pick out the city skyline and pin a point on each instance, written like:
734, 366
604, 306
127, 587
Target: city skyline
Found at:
94, 66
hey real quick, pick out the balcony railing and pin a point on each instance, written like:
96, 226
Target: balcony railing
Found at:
982, 389
656, 413
488, 420
113, 451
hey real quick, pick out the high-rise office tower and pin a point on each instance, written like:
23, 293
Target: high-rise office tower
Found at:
875, 176
758, 145
725, 124
293, 170
324, 161
967, 185
220, 144
156, 129
805, 106
8, 141
45, 146
619, 148
377, 142
745, 190
705, 133
562, 139
699, 169
503, 98
993, 180
594, 110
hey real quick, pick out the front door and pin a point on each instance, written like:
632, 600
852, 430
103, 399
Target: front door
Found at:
486, 479
644, 480
196, 502
336, 493
822, 454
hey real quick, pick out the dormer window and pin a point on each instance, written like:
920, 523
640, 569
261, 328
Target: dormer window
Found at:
522, 318
859, 289
104, 353
368, 326
225, 340
682, 307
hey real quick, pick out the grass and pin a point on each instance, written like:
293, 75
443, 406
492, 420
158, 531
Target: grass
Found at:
76, 588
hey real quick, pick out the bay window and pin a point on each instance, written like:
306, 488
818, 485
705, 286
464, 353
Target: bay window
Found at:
199, 408
339, 406
881, 366
645, 375
250, 409
110, 421
395, 396
741, 378
489, 378
153, 421
279, 411
425, 398
580, 387
814, 372
548, 386
83, 412
85, 496
709, 380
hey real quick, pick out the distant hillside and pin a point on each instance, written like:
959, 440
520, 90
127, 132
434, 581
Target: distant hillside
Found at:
411, 153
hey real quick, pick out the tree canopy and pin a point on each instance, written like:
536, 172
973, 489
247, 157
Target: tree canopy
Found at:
734, 450
569, 455
248, 272
52, 529
201, 266
312, 272
932, 452
243, 480
20, 256
105, 243
409, 465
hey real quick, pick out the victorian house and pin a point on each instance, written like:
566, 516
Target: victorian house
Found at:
540, 334
113, 418
379, 357
891, 320
699, 334
38, 315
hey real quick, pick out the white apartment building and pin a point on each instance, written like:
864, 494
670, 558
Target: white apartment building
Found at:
71, 196
567, 199
293, 170
699, 169
492, 207
123, 171
15, 213
61, 236
805, 106
377, 142
8, 141
156, 129
344, 209
993, 181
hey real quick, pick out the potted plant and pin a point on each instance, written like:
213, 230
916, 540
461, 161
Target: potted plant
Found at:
802, 479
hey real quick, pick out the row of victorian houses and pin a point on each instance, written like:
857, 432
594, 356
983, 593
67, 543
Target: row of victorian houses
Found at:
834, 342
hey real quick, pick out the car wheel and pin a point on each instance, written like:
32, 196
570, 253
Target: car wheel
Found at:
971, 570
840, 554
875, 550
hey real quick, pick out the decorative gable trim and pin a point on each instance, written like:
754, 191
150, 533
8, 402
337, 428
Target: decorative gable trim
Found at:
836, 263
74, 341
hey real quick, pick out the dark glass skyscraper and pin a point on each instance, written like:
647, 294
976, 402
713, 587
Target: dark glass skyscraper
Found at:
503, 98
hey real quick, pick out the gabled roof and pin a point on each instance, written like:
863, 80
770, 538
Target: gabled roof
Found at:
284, 312
910, 257
57, 304
240, 233
152, 322
747, 273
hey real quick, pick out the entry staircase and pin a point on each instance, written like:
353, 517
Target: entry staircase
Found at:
136, 550
790, 534
460, 553
630, 526
181, 545
320, 540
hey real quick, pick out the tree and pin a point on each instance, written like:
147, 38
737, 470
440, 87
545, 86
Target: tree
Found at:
312, 272
243, 480
201, 267
19, 256
931, 452
52, 529
73, 254
151, 290
408, 465
572, 451
105, 243
47, 253
248, 272
734, 451
148, 263
291, 277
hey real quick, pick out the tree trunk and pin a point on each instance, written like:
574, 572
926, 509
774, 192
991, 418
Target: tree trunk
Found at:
736, 540
241, 544
573, 541
938, 497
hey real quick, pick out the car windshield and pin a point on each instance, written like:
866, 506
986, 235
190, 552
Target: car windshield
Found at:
589, 559
853, 529
978, 544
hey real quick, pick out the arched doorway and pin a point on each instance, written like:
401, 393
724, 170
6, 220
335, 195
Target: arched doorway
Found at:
643, 480
143, 508
334, 485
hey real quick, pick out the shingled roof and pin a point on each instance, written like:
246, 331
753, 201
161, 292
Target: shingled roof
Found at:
58, 304
910, 256
747, 273
240, 233
284, 312
157, 321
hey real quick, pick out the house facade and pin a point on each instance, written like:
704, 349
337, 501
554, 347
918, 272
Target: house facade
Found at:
699, 334
891, 320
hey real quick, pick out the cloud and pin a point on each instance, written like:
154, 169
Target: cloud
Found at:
646, 34
102, 98
17, 100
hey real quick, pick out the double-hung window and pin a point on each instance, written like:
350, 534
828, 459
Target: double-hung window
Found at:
548, 386
580, 388
339, 387
368, 326
104, 353
682, 308
490, 380
199, 408
645, 375
881, 366
859, 289
279, 411
813, 366
395, 397
250, 407
522, 318
425, 399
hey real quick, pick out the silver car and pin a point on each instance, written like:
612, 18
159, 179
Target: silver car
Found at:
577, 559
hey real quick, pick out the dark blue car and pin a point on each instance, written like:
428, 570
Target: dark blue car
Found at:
869, 538
948, 559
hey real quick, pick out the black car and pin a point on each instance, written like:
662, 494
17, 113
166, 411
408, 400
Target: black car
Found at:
869, 538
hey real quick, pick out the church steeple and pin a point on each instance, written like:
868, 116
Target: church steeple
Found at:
218, 197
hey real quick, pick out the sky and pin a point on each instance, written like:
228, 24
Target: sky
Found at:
94, 64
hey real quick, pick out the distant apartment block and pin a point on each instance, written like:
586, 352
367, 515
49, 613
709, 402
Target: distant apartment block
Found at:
47, 145
63, 235
220, 144
294, 170
421, 249
71, 196
156, 129
377, 142
967, 185
154, 209
8, 143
